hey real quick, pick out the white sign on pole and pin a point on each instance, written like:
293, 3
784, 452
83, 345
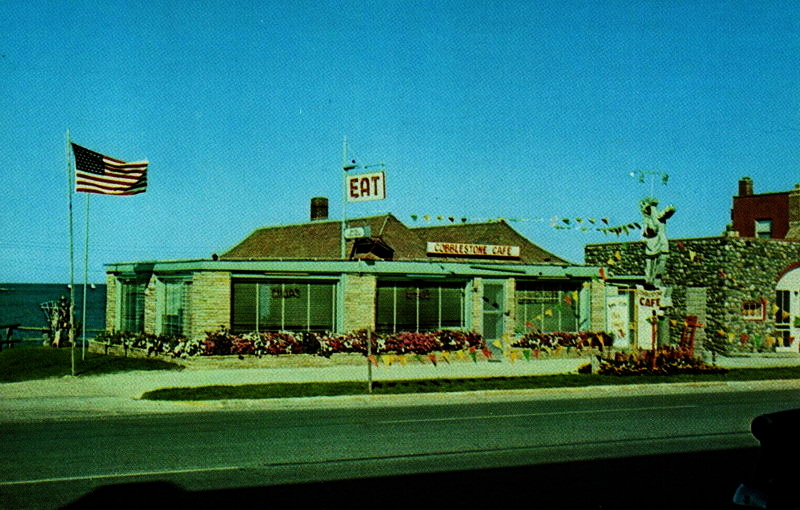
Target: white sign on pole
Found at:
366, 187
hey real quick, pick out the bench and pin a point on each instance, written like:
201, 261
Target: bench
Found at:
6, 339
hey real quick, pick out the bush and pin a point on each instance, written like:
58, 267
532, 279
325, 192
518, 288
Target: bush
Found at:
173, 345
551, 341
664, 361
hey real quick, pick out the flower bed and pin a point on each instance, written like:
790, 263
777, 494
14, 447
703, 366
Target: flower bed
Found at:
224, 343
552, 342
664, 361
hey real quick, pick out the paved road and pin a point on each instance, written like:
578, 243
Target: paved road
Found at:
610, 451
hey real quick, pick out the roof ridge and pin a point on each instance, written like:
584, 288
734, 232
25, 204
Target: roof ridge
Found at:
320, 222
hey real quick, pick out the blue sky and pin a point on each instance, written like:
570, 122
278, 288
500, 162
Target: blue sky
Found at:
520, 110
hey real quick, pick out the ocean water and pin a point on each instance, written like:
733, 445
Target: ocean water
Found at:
20, 303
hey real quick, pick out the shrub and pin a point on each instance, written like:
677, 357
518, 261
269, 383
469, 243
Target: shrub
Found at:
549, 341
664, 361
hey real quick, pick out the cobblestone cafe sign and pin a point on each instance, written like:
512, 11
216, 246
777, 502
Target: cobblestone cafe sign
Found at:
472, 250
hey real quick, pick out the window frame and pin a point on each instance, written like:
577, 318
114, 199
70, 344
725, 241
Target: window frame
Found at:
421, 290
552, 299
267, 294
131, 291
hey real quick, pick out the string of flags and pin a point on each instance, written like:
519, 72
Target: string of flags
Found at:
580, 224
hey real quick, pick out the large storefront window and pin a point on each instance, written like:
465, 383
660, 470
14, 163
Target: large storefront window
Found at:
283, 305
419, 306
174, 319
131, 306
546, 307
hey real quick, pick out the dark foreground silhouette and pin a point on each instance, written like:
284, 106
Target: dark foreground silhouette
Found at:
705, 480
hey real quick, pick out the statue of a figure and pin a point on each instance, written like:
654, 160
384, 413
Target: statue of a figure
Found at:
654, 232
60, 322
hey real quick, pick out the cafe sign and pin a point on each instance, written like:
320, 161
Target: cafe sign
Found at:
472, 250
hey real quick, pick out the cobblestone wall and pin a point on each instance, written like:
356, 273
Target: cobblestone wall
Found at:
730, 271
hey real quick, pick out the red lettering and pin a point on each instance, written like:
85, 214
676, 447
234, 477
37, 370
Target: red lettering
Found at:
354, 187
364, 186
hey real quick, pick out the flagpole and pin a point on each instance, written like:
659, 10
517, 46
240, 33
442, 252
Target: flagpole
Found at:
70, 188
342, 241
85, 278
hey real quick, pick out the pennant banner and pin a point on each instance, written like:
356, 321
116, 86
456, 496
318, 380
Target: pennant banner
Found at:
579, 224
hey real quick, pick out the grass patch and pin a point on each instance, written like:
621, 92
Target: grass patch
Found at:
24, 364
295, 390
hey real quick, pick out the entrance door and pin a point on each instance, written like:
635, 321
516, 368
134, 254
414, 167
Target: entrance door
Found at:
493, 310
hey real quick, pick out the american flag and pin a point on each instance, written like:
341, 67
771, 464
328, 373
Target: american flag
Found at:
96, 173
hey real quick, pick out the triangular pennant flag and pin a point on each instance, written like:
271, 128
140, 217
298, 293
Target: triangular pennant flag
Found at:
487, 352
527, 354
498, 344
432, 357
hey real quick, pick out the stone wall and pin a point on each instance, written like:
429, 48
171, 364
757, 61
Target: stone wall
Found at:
209, 302
728, 271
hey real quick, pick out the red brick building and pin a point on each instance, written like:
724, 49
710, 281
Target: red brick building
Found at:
766, 215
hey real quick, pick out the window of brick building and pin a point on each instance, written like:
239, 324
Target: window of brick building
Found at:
764, 229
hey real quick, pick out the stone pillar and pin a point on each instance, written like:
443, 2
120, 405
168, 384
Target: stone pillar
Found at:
475, 305
210, 302
597, 305
111, 302
510, 308
359, 302
150, 308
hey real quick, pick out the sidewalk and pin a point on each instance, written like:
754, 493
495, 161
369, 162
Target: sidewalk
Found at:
118, 394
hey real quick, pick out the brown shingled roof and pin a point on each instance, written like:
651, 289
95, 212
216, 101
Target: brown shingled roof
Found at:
321, 240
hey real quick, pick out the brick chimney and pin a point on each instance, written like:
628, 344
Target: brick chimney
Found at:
319, 208
745, 186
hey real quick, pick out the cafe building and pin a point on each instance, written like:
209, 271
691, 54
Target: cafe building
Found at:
374, 272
